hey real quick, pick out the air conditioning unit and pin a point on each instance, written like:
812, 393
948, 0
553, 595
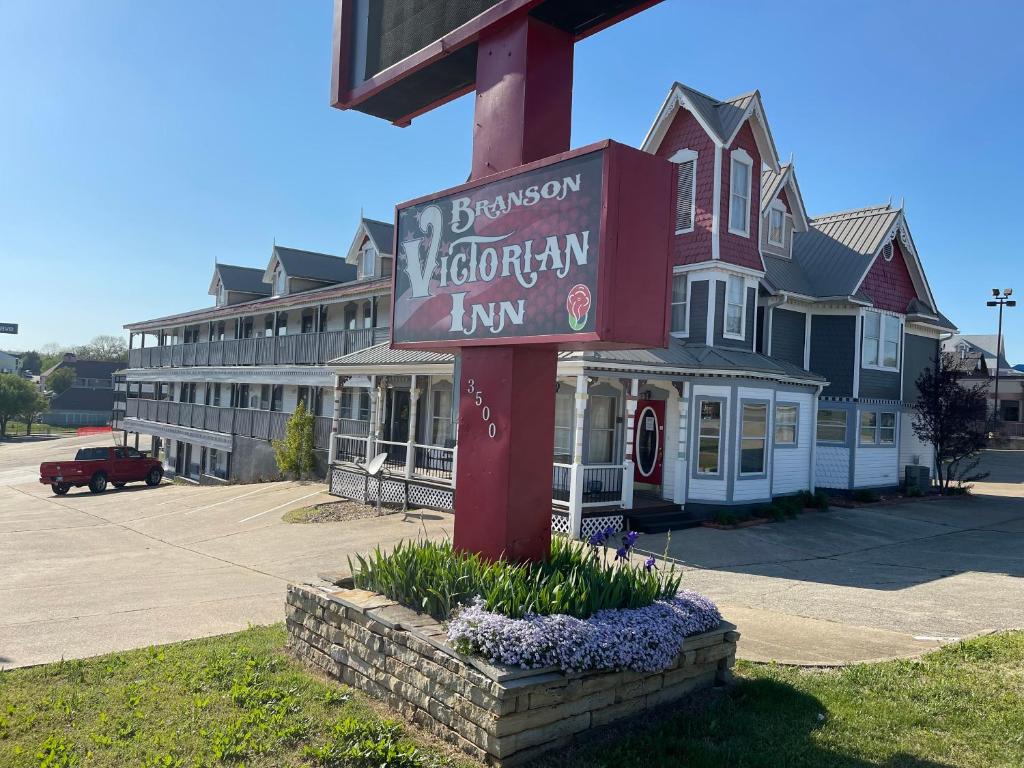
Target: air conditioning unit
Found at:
917, 476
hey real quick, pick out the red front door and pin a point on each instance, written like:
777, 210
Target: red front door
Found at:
649, 441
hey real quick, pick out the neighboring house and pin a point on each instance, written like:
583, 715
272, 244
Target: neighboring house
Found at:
90, 399
976, 357
213, 387
9, 363
795, 345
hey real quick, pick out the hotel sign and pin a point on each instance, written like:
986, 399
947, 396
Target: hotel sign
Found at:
572, 251
8, 327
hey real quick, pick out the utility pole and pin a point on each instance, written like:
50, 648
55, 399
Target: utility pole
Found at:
1000, 300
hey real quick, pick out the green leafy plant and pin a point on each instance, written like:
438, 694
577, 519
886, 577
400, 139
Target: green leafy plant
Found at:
724, 517
295, 453
575, 580
356, 743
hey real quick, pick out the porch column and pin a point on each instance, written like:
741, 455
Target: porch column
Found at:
332, 448
371, 435
682, 473
627, 464
576, 473
410, 447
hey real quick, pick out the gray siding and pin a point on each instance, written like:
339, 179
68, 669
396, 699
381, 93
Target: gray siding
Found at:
720, 340
833, 343
919, 352
698, 312
882, 385
788, 336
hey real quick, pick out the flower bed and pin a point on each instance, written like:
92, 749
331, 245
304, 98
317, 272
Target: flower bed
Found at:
646, 639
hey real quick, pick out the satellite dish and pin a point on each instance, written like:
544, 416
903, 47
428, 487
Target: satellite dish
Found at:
376, 464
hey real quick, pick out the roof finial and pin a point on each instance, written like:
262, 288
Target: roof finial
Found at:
792, 158
902, 201
361, 217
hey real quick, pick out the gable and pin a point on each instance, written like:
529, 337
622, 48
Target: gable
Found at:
686, 132
888, 283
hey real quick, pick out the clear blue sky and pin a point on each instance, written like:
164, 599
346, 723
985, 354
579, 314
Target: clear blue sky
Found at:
142, 141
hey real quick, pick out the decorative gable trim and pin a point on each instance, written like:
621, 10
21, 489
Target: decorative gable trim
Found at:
900, 229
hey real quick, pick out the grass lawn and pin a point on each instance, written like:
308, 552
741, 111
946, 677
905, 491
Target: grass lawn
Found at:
238, 700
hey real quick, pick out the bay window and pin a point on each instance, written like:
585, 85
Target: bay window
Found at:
679, 318
709, 437
831, 425
735, 306
786, 417
754, 438
881, 342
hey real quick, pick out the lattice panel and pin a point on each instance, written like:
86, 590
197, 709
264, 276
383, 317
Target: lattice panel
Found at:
592, 525
348, 485
431, 496
559, 523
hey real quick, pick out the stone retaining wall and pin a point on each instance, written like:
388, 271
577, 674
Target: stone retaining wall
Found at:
501, 715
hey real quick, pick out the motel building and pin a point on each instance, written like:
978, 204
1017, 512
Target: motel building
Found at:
795, 344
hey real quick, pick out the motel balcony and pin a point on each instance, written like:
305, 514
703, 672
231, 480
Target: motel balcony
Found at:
244, 422
311, 348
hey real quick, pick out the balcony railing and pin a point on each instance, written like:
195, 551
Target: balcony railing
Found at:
293, 349
245, 422
424, 461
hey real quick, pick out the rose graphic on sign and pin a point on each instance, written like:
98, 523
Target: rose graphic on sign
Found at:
578, 304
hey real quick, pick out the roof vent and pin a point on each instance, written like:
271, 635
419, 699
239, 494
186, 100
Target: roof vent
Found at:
887, 251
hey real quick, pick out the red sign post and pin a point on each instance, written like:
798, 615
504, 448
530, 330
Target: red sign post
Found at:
508, 283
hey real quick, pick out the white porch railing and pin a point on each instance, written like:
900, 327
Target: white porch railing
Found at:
432, 462
576, 486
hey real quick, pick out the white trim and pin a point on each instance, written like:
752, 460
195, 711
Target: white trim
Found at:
709, 335
742, 335
769, 319
807, 340
857, 351
716, 205
880, 366
740, 156
718, 269
680, 157
685, 333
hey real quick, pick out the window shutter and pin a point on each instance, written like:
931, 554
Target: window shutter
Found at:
684, 196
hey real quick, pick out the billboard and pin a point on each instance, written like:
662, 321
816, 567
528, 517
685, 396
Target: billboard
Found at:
551, 252
8, 327
396, 59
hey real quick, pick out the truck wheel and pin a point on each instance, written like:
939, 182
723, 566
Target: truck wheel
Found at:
59, 488
98, 484
154, 477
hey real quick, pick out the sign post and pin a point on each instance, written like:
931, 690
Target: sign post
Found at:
543, 249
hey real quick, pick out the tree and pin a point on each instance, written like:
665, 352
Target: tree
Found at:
33, 409
108, 348
60, 381
31, 361
295, 454
951, 418
16, 395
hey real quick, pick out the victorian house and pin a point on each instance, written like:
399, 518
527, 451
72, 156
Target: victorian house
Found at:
795, 345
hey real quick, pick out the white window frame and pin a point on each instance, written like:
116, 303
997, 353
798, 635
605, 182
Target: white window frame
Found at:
740, 156
877, 428
765, 407
680, 157
685, 303
607, 431
726, 333
368, 252
785, 424
717, 436
884, 321
780, 209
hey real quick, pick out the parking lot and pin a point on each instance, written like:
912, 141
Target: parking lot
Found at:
85, 574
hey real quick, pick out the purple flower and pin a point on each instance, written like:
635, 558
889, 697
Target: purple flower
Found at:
621, 553
649, 564
597, 539
630, 538
644, 639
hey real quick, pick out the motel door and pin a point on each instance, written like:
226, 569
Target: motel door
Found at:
649, 441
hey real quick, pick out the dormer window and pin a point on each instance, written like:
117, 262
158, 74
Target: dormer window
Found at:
279, 282
686, 186
369, 259
777, 225
740, 172
222, 295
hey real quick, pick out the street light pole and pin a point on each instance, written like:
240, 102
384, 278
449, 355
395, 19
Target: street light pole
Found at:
1000, 300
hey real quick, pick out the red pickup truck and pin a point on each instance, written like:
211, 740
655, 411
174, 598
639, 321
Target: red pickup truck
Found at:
95, 467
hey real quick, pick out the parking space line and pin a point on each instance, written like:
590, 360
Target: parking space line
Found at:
267, 487
279, 506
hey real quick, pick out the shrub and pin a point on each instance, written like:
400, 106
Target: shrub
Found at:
789, 505
575, 580
295, 454
913, 491
647, 639
724, 517
865, 496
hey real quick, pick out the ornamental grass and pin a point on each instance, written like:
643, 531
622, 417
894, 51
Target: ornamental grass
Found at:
575, 580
